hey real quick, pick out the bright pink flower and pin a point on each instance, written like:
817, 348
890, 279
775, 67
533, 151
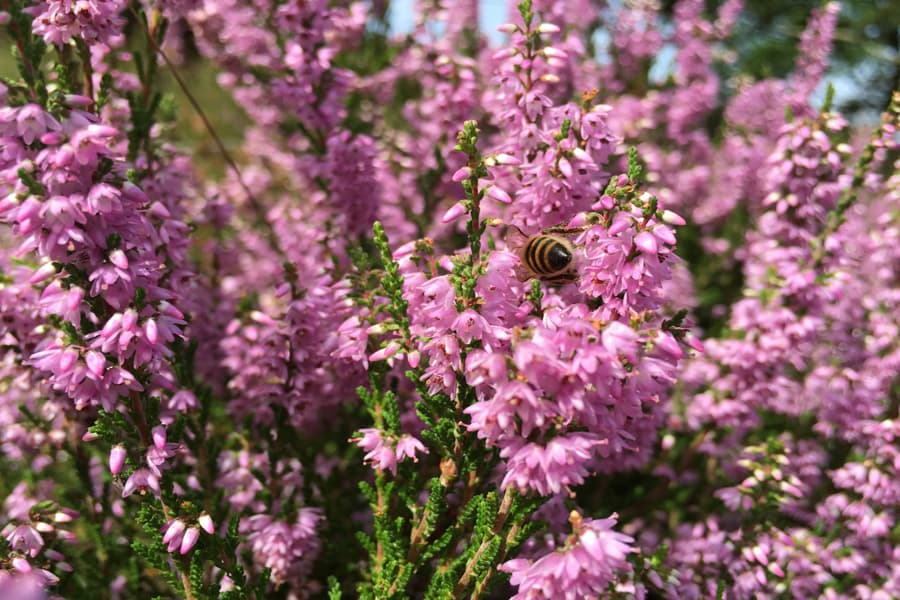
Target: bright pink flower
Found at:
117, 457
591, 560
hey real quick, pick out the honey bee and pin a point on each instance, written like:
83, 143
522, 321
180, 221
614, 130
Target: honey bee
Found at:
548, 255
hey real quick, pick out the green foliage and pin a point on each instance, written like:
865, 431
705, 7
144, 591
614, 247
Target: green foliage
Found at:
392, 283
35, 187
635, 168
108, 425
153, 552
765, 44
334, 589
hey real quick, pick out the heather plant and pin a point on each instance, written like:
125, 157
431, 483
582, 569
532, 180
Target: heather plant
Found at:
329, 365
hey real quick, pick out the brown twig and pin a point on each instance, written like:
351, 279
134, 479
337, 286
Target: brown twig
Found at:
257, 208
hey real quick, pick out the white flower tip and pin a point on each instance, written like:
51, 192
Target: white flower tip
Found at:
673, 218
206, 523
386, 352
503, 158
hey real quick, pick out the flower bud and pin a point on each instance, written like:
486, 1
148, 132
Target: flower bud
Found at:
96, 363
453, 213
461, 173
21, 565
386, 352
505, 159
118, 258
673, 218
46, 271
173, 531
206, 522
159, 437
151, 331
189, 540
646, 243
498, 194
552, 52
116, 459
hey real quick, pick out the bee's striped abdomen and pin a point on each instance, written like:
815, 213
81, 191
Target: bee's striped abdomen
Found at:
546, 255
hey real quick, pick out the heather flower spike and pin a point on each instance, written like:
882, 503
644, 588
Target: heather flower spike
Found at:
438, 313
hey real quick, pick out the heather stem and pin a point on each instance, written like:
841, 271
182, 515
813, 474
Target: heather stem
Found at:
84, 53
496, 530
182, 574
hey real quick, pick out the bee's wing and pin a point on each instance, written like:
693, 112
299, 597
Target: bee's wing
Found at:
566, 232
515, 239
522, 274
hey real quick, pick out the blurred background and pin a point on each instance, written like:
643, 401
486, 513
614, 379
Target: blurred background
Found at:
864, 67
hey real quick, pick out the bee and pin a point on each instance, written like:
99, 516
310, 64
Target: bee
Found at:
548, 255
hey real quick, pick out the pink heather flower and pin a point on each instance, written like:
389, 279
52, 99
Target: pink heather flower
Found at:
158, 455
179, 536
287, 549
354, 187
25, 585
385, 353
183, 401
385, 453
95, 21
141, 481
189, 540
159, 437
206, 523
174, 532
353, 339
485, 368
407, 447
25, 539
32, 122
590, 561
812, 55
624, 280
453, 213
516, 409
734, 498
117, 455
646, 243
470, 325
551, 468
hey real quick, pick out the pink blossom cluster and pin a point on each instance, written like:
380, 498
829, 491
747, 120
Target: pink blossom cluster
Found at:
455, 320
